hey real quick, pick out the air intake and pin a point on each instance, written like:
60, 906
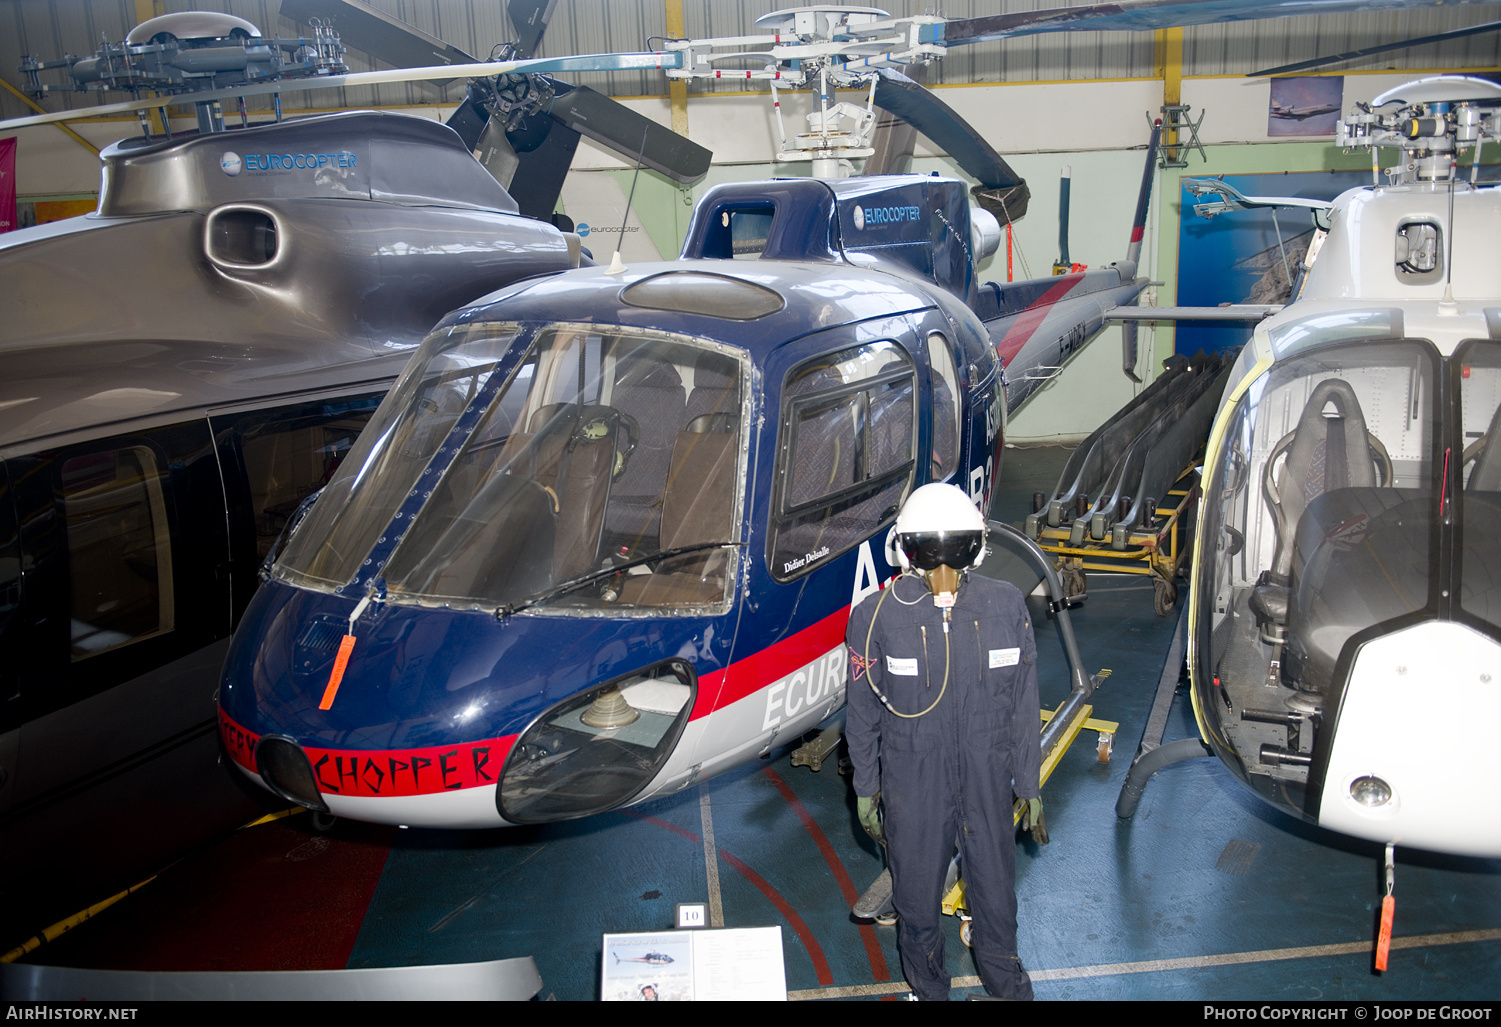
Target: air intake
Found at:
241, 238
285, 769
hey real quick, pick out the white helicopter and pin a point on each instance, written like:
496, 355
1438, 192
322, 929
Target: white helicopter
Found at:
1344, 622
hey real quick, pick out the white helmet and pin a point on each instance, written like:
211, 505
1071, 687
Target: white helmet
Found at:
938, 525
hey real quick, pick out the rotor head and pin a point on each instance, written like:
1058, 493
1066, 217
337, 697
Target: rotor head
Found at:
1431, 119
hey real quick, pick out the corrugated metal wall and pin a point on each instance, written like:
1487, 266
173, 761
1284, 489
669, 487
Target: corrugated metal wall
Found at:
50, 28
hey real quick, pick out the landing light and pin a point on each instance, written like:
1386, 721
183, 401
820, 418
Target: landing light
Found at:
1370, 791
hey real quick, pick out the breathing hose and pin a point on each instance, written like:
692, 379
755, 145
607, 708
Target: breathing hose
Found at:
870, 678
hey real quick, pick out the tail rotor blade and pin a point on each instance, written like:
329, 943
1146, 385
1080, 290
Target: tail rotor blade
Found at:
529, 18
1144, 196
1129, 335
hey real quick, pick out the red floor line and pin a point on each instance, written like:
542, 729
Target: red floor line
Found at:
815, 951
820, 964
659, 822
873, 951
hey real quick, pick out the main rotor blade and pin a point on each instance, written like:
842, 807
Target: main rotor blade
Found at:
1370, 51
1145, 15
613, 124
378, 34
923, 110
894, 139
529, 18
537, 65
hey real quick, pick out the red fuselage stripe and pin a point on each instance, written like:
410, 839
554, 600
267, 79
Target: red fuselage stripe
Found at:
1029, 320
382, 773
750, 675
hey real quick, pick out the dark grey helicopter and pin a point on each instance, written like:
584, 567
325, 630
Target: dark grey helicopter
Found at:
178, 371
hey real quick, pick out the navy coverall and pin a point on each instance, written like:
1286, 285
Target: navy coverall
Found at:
950, 773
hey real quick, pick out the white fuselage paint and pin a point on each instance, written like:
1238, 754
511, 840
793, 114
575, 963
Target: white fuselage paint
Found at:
790, 698
1420, 713
460, 808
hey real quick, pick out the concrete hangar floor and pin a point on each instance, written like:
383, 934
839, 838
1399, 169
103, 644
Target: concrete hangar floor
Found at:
1206, 894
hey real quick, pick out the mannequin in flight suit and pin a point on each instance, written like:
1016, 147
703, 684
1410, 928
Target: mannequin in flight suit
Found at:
943, 727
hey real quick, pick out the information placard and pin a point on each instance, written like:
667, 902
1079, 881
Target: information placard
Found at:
711, 965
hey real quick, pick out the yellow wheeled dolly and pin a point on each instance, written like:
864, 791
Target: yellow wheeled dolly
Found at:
1158, 551
953, 899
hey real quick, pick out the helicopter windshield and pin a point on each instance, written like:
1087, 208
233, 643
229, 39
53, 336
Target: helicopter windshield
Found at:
1478, 367
1358, 488
610, 459
448, 372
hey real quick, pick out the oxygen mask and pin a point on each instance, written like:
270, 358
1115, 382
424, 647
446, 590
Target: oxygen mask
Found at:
943, 582
941, 558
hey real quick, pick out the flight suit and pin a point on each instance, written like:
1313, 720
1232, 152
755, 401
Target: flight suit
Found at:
949, 774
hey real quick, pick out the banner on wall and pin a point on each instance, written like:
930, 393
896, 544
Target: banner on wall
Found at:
7, 184
1249, 256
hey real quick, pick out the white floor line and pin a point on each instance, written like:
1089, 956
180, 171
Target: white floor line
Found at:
711, 859
1186, 963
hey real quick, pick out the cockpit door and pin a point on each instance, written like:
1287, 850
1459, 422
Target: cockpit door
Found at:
835, 455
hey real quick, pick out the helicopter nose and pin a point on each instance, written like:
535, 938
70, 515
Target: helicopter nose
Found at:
285, 769
1423, 686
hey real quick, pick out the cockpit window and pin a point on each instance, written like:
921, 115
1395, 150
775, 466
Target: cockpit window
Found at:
847, 454
1477, 365
945, 427
449, 370
1320, 522
605, 475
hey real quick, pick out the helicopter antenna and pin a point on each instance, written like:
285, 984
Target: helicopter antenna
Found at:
1447, 305
1286, 270
616, 265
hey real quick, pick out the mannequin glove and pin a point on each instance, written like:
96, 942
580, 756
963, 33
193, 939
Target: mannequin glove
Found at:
868, 808
1032, 821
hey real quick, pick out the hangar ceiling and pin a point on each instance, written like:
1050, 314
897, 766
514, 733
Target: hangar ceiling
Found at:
50, 28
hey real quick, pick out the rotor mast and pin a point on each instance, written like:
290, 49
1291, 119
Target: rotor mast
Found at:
823, 48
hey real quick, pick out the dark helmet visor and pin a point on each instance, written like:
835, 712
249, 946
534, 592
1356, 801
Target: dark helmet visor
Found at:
928, 550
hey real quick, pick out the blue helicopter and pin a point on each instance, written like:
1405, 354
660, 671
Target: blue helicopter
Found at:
601, 540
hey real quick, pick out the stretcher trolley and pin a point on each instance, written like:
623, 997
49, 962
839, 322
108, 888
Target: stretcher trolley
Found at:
1126, 498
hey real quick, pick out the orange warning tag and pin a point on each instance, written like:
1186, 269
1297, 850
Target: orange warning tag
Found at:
1384, 939
346, 646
